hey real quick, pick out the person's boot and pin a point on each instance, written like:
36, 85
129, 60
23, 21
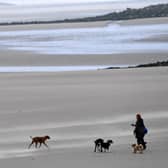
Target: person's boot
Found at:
144, 145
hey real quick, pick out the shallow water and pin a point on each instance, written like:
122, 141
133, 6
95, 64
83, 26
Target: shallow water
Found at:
56, 68
103, 40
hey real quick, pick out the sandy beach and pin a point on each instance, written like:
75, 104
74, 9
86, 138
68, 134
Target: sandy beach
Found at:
20, 58
75, 108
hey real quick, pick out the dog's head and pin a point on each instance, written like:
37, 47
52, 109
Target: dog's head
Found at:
99, 141
110, 141
134, 145
140, 147
47, 137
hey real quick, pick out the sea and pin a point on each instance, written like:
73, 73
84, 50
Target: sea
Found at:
110, 39
113, 38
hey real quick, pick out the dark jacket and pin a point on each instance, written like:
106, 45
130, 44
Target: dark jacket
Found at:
139, 128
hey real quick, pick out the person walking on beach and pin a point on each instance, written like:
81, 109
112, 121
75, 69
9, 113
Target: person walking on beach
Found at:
140, 130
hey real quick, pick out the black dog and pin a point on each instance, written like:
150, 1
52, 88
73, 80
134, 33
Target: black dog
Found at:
101, 146
106, 145
98, 145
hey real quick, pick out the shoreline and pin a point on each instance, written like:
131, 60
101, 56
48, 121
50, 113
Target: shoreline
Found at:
9, 57
140, 21
28, 69
56, 26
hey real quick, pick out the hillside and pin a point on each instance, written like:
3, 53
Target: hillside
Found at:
160, 10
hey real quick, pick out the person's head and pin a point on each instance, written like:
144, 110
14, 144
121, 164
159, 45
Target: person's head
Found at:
138, 116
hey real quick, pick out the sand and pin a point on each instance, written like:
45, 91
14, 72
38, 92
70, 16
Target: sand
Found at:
146, 21
21, 58
75, 108
55, 26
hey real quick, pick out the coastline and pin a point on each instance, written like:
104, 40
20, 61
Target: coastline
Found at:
55, 26
25, 58
146, 21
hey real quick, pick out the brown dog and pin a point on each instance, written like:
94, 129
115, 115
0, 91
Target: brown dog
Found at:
137, 148
40, 140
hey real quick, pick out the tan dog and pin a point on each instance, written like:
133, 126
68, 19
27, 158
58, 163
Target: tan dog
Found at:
137, 148
39, 140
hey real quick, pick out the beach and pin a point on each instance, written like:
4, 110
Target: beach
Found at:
76, 107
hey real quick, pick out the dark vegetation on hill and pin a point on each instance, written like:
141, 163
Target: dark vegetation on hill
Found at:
160, 10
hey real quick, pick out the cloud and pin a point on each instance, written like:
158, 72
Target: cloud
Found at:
29, 2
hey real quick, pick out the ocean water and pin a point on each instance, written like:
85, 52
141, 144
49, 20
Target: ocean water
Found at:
110, 39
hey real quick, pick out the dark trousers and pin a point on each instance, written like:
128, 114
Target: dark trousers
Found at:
140, 140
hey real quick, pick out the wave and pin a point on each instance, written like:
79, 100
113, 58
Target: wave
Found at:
103, 40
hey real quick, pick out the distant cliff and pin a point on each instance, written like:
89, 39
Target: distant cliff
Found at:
160, 10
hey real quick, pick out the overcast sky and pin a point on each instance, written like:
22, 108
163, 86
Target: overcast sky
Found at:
53, 1
30, 2
28, 10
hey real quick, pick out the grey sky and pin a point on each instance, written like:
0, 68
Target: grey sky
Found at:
28, 10
30, 2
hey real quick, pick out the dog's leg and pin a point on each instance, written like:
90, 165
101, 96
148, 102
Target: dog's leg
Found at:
45, 144
95, 148
30, 145
40, 144
141, 152
101, 149
36, 143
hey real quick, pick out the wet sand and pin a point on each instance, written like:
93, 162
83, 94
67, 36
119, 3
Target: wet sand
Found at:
75, 108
